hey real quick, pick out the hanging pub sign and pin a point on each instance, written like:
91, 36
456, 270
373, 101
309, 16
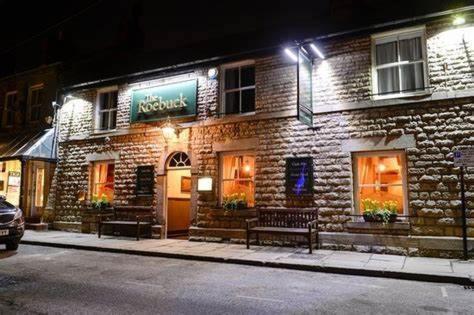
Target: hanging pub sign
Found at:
305, 88
145, 180
161, 102
299, 176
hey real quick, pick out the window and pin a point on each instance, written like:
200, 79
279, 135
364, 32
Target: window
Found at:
238, 93
35, 101
237, 176
380, 176
11, 99
399, 63
103, 180
107, 110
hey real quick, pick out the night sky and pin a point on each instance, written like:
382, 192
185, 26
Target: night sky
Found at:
41, 32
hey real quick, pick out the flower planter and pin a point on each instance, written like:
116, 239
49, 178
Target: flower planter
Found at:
379, 218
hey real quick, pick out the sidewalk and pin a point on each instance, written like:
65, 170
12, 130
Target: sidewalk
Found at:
342, 262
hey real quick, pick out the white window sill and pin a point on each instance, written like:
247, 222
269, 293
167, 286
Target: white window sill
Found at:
401, 95
104, 132
224, 115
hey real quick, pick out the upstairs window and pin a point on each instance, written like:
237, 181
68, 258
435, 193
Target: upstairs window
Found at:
399, 63
35, 102
11, 99
238, 93
107, 110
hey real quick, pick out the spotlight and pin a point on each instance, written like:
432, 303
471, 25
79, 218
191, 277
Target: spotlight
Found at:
291, 54
316, 50
459, 20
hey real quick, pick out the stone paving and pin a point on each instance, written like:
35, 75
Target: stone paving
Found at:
343, 261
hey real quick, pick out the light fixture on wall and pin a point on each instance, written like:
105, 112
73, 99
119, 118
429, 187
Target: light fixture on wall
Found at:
247, 167
168, 130
204, 184
459, 20
291, 54
382, 168
212, 73
316, 50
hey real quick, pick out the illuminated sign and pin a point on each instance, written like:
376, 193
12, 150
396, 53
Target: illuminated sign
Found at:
160, 102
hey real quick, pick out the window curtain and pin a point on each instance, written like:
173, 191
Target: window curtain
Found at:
388, 78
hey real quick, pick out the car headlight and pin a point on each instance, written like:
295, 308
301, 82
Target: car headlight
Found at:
18, 218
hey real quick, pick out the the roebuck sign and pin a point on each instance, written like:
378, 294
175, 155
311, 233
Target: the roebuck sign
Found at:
160, 102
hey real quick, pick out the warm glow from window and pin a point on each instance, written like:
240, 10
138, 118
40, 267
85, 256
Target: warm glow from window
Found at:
10, 181
380, 178
238, 173
103, 180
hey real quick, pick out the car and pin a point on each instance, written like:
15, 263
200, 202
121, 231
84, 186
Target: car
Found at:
12, 224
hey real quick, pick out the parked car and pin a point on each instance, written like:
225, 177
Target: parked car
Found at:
12, 224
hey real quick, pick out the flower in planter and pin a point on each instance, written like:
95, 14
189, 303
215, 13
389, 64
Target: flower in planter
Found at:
235, 201
100, 203
374, 210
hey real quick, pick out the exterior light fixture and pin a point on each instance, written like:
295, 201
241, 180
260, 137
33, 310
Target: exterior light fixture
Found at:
382, 168
316, 50
168, 130
459, 20
212, 73
204, 184
291, 55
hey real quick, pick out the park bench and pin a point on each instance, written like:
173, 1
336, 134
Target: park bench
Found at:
140, 217
285, 222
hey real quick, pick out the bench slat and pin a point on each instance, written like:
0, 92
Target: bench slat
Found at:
279, 230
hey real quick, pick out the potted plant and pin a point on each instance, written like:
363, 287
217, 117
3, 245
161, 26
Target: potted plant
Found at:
235, 202
375, 211
101, 203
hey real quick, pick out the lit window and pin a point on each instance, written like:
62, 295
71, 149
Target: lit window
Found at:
35, 101
380, 177
107, 111
103, 180
11, 99
238, 172
399, 63
239, 89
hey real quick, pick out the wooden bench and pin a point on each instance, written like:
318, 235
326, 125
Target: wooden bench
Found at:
285, 222
140, 217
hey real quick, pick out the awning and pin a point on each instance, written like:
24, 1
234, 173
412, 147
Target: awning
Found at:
37, 145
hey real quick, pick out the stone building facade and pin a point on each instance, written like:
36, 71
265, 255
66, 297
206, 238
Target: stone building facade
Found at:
420, 129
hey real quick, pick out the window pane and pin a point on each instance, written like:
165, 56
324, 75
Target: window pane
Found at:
238, 173
35, 113
232, 101
410, 49
247, 76
380, 179
231, 78
113, 119
412, 77
386, 53
103, 180
113, 99
104, 120
103, 101
388, 80
247, 188
248, 100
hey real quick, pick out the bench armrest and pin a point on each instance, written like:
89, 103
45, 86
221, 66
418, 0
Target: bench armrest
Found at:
313, 224
251, 222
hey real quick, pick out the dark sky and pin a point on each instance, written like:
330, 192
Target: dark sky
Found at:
35, 32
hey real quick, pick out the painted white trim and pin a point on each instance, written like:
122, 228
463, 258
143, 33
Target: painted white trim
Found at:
222, 91
103, 157
32, 88
355, 175
96, 120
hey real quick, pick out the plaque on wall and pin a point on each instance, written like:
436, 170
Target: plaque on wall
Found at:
145, 180
299, 176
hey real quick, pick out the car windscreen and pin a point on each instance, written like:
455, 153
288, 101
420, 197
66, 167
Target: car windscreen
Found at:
4, 205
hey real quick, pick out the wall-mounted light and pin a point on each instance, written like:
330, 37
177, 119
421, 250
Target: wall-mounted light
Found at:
291, 55
316, 50
204, 184
212, 73
382, 168
459, 20
168, 130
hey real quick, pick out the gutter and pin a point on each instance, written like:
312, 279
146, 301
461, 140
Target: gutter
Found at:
305, 41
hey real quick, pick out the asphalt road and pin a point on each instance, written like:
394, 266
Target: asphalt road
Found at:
42, 280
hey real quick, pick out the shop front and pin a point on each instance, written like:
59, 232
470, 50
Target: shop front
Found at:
27, 165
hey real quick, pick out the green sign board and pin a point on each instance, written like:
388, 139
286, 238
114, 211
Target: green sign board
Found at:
161, 102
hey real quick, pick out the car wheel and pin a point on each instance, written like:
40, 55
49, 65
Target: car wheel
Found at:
12, 245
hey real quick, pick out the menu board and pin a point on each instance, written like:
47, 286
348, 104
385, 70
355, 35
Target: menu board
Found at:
145, 180
299, 176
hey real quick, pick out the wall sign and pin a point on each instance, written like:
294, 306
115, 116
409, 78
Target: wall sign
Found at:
161, 102
464, 157
299, 176
145, 180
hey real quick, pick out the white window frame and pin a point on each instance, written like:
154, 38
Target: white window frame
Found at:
355, 173
397, 35
223, 91
35, 106
221, 170
6, 109
98, 111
